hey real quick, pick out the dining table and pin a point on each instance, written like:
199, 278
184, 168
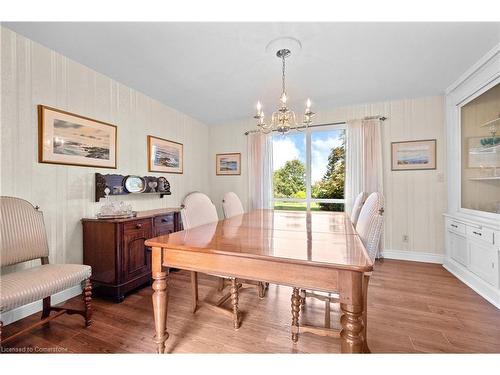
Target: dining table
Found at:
305, 250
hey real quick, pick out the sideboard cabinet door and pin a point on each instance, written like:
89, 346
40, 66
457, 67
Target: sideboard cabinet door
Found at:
458, 248
136, 258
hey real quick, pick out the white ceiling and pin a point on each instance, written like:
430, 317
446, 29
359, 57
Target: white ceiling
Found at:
215, 72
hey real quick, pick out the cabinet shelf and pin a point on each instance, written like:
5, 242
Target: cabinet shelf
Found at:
484, 178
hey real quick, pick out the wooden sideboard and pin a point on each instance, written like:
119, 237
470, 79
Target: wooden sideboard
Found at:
115, 250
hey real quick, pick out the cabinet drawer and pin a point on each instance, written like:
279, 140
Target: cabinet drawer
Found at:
456, 226
144, 224
484, 261
482, 234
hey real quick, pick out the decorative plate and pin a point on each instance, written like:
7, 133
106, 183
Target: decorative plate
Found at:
134, 184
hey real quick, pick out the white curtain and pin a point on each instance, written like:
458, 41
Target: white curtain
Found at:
364, 170
260, 170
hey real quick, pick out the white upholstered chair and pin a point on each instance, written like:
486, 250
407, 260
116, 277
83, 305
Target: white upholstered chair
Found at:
197, 209
369, 229
23, 238
231, 205
356, 207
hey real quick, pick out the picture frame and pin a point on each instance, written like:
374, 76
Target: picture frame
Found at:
228, 164
413, 155
165, 156
71, 139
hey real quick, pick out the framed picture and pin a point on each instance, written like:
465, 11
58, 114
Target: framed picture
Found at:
67, 138
228, 164
483, 153
165, 156
413, 155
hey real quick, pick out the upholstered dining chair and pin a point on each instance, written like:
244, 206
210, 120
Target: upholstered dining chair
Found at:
356, 207
369, 229
197, 209
23, 238
231, 206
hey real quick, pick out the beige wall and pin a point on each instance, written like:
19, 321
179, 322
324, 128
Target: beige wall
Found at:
415, 200
33, 74
479, 195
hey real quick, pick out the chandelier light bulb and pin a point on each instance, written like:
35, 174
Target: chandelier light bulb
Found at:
259, 107
308, 104
283, 98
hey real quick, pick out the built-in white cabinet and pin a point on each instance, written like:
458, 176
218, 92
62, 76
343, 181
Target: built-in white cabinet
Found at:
472, 221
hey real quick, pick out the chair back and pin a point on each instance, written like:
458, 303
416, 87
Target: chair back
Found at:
197, 209
370, 221
231, 205
22, 231
356, 208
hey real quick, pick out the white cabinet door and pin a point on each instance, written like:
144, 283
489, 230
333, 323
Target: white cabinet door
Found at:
484, 261
458, 248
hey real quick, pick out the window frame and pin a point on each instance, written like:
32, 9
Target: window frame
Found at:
308, 199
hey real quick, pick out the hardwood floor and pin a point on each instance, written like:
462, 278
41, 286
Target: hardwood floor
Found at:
412, 307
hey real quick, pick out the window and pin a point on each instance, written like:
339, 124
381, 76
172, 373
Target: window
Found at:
309, 169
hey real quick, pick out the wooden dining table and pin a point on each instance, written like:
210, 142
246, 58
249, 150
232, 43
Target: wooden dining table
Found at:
317, 251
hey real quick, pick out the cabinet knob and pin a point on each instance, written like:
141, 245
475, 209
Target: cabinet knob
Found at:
477, 233
164, 220
138, 226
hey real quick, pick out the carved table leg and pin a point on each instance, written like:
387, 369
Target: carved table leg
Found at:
295, 314
234, 301
160, 298
366, 280
194, 291
87, 299
351, 304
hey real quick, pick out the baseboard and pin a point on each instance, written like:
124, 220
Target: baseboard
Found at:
31, 308
488, 292
413, 256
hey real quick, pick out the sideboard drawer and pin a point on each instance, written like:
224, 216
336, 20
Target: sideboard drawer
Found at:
482, 234
144, 224
456, 226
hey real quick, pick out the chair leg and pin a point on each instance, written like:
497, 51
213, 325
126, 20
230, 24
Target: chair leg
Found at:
87, 299
222, 285
295, 314
46, 308
194, 291
234, 301
302, 298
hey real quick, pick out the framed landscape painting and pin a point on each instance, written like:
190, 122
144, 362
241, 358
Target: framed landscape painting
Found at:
165, 156
228, 164
67, 138
414, 155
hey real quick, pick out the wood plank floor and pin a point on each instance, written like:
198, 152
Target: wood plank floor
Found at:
413, 307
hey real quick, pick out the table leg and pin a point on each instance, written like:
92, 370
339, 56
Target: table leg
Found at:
351, 304
295, 314
160, 299
234, 301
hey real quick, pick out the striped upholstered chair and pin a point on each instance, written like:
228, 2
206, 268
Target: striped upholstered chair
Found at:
356, 207
23, 239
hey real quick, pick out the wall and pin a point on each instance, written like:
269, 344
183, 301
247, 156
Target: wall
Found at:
32, 75
415, 200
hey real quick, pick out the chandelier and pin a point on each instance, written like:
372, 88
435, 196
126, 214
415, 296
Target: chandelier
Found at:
283, 119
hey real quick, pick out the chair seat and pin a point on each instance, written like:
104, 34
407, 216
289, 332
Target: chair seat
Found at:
32, 284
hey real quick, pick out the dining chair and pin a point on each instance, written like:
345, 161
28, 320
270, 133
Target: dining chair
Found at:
356, 207
231, 206
197, 209
369, 229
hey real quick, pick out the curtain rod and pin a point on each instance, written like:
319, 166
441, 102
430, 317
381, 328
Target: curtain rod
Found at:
378, 117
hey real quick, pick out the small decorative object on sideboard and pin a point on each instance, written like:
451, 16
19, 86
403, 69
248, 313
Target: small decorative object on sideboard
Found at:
117, 184
115, 210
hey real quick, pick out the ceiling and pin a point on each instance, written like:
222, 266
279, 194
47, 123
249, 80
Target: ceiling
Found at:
215, 72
